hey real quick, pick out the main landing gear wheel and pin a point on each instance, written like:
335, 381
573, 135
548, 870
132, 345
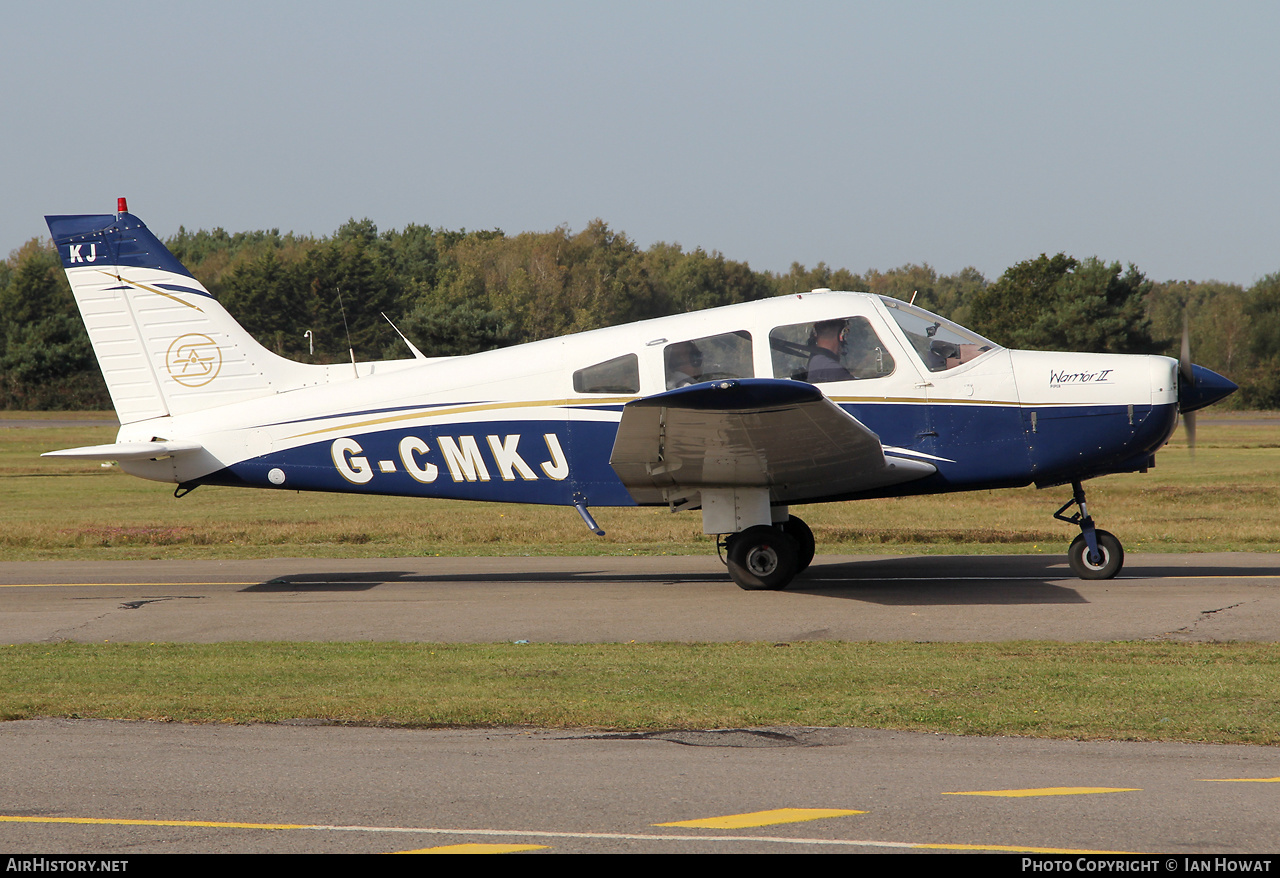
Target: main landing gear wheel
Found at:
796, 528
1110, 562
762, 558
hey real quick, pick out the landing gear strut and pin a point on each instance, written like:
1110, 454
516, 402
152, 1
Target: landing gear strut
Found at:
1095, 554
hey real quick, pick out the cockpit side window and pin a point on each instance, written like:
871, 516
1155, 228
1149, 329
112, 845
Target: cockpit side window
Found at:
843, 349
708, 359
941, 344
619, 375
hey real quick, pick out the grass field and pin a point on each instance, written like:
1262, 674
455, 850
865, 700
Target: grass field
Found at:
1222, 500
1225, 499
1228, 693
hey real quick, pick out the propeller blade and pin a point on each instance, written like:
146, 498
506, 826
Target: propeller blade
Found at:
1188, 374
1184, 357
1197, 386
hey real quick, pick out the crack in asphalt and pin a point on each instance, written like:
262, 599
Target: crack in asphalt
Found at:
711, 737
1204, 616
133, 605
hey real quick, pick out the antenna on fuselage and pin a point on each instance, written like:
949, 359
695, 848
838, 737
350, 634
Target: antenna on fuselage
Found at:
417, 354
350, 348
914, 293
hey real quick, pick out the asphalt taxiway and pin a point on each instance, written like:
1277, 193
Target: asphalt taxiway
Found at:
612, 599
114, 788
111, 788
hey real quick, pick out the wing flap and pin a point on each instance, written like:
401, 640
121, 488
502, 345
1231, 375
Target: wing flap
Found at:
783, 435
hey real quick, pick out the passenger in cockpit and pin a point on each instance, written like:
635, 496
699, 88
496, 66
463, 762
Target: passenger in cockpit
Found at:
684, 365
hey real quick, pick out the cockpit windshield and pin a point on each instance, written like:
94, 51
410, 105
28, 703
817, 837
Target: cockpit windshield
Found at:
941, 344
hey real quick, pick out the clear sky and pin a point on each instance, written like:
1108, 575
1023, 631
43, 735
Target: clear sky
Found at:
862, 134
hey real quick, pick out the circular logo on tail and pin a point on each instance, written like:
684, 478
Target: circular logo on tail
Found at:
193, 360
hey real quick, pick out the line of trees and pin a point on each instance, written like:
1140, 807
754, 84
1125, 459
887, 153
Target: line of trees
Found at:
456, 292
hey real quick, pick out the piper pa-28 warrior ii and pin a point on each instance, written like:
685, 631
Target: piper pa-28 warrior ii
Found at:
741, 412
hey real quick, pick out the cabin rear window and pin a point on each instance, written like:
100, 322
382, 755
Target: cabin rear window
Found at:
619, 375
708, 359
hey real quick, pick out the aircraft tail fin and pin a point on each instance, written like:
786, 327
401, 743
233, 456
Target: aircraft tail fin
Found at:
164, 344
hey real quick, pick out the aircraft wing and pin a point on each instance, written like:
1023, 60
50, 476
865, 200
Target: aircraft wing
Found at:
750, 432
127, 451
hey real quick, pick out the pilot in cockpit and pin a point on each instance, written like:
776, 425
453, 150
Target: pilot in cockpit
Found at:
824, 361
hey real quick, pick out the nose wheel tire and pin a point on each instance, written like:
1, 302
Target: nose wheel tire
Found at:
762, 558
1108, 565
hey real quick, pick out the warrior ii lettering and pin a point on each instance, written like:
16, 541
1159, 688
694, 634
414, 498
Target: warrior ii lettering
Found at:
1057, 379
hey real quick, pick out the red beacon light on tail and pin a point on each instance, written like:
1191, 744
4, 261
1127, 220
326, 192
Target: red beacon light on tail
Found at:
121, 205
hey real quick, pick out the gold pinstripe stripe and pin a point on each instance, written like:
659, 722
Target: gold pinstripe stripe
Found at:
623, 400
150, 289
463, 409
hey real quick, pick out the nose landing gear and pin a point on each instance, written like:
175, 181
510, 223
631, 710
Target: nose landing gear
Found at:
1094, 554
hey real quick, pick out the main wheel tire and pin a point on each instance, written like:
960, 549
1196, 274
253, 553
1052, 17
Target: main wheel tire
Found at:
762, 558
1110, 549
796, 528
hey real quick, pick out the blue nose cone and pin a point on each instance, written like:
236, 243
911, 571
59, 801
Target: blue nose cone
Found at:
1205, 388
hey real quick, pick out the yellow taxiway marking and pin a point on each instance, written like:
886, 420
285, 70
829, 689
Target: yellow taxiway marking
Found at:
124, 584
1240, 780
1047, 791
1013, 849
762, 818
666, 838
112, 821
1231, 576
477, 848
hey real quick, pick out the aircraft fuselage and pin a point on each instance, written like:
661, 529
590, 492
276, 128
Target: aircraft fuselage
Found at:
510, 425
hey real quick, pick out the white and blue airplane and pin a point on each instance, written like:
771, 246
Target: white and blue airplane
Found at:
741, 412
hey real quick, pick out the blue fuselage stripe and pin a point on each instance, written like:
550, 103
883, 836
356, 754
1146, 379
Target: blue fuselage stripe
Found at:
560, 461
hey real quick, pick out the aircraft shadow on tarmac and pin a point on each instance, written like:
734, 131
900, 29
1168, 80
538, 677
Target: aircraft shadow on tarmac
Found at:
989, 579
915, 580
329, 582
898, 581
326, 581
945, 581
